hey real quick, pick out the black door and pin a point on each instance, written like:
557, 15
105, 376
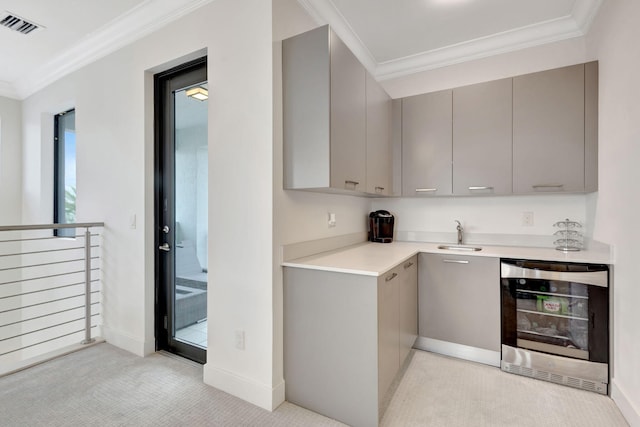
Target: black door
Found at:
181, 210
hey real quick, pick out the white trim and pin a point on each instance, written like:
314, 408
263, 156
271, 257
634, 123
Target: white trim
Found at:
13, 367
575, 25
140, 21
625, 404
259, 394
127, 342
8, 90
324, 11
508, 41
461, 351
584, 12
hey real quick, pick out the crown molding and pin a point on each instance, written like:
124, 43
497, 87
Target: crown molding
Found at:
325, 12
7, 90
138, 22
521, 38
584, 12
575, 25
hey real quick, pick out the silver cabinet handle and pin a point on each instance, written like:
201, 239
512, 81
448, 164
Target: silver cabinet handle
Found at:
407, 265
535, 187
455, 261
354, 183
378, 189
164, 247
390, 278
426, 190
480, 188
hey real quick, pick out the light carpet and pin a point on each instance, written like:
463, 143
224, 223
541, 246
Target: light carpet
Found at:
441, 391
106, 386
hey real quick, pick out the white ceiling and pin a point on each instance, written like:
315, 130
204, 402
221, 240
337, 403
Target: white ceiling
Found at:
398, 37
75, 33
390, 37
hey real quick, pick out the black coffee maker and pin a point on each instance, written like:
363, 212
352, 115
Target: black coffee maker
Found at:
381, 227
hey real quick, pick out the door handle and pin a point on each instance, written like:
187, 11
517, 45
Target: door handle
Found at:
164, 247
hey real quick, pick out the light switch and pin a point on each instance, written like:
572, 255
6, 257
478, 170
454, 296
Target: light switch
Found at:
132, 221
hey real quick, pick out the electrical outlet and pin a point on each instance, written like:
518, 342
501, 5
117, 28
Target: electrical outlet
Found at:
240, 339
331, 219
527, 219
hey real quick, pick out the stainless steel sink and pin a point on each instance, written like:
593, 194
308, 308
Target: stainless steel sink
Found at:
460, 248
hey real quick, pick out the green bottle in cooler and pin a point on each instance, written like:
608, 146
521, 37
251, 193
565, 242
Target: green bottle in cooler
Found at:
552, 305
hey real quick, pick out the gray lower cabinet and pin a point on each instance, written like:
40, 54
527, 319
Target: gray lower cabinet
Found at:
426, 144
482, 138
555, 130
408, 307
345, 338
459, 300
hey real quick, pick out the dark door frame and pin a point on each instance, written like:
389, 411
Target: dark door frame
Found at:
165, 84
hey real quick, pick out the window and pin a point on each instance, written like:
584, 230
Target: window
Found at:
64, 171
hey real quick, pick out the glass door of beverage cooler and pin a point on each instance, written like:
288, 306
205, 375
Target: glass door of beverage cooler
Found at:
556, 308
553, 317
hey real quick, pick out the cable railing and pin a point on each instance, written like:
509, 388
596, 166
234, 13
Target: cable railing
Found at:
50, 290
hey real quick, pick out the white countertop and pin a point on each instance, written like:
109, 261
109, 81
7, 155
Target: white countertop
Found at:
374, 259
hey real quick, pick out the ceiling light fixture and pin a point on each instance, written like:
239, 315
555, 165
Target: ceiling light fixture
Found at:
198, 93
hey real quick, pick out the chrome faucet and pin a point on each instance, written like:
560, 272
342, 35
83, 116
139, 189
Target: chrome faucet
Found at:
460, 232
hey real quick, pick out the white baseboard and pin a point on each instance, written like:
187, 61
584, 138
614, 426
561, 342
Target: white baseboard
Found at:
259, 394
130, 343
624, 403
460, 351
12, 367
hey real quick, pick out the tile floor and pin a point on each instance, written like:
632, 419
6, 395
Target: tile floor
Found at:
194, 334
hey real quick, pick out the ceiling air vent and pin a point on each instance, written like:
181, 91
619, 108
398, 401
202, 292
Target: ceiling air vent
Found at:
16, 23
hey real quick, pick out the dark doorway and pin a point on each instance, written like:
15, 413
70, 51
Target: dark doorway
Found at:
181, 203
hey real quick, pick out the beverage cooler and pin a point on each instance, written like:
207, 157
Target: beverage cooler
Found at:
555, 322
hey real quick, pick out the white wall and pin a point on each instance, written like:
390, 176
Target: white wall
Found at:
114, 105
496, 220
614, 41
10, 164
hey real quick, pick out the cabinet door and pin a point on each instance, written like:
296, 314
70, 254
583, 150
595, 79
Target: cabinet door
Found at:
408, 307
548, 131
388, 336
426, 144
459, 300
482, 138
305, 108
379, 116
348, 119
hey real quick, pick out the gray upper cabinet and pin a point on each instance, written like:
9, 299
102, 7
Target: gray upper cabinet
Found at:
348, 118
549, 131
591, 126
379, 134
324, 108
482, 137
426, 144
